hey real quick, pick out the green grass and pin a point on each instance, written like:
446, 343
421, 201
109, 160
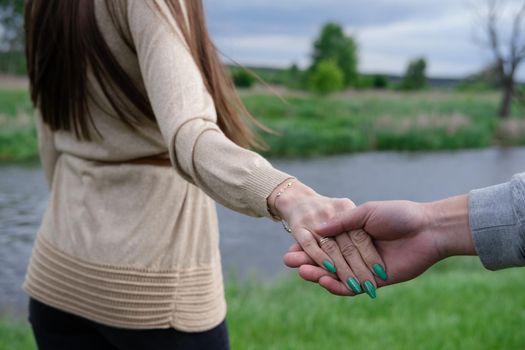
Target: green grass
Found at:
343, 123
14, 102
17, 130
452, 307
456, 305
15, 335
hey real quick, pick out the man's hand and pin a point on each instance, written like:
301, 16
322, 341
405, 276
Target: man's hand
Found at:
409, 236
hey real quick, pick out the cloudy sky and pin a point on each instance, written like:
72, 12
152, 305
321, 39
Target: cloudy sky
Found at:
389, 32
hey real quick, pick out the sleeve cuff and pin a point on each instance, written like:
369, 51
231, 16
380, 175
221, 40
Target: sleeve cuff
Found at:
495, 228
260, 184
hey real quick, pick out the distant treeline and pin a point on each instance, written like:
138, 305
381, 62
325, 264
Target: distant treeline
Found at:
13, 63
286, 77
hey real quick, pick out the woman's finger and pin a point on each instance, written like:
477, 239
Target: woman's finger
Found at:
369, 253
344, 271
309, 244
363, 276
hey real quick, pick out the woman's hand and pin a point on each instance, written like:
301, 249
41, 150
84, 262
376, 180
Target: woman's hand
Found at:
410, 237
303, 209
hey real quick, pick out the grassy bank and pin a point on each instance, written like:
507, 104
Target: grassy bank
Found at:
385, 121
347, 122
457, 305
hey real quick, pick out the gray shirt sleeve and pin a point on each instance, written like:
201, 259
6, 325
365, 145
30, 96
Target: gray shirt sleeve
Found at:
497, 223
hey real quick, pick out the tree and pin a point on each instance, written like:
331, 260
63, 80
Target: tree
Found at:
326, 77
414, 78
11, 25
506, 43
333, 44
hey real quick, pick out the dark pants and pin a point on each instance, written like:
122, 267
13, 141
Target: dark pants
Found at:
56, 330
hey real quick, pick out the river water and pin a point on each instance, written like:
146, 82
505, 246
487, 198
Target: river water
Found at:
254, 247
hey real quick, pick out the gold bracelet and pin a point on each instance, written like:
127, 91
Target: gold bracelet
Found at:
281, 191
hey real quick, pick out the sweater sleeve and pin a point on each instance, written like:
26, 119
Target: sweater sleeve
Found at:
497, 223
46, 149
235, 177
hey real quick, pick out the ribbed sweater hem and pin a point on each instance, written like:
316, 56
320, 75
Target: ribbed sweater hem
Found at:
190, 300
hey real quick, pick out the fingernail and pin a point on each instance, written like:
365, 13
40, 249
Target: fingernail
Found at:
354, 285
380, 271
329, 266
370, 289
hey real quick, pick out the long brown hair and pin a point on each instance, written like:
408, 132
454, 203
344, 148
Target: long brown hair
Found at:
63, 40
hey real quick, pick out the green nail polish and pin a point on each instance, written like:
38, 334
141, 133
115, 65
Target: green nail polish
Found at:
354, 285
370, 289
380, 271
329, 266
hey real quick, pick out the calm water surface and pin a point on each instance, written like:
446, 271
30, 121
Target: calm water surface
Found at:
254, 247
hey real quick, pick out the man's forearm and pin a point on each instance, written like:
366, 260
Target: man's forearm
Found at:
449, 223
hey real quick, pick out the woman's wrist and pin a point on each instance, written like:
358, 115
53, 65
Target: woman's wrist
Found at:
448, 223
286, 196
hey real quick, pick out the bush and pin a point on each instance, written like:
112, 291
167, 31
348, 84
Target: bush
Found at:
379, 81
326, 77
242, 78
376, 81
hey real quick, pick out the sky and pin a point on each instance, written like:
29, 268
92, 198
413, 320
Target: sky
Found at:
389, 32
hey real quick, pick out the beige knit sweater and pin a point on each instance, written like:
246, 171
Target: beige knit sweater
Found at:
135, 245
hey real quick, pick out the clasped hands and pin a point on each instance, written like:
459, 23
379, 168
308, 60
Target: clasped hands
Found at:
350, 250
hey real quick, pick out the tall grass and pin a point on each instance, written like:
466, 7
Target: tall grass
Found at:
311, 126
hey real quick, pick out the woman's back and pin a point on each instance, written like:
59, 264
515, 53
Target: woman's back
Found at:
129, 244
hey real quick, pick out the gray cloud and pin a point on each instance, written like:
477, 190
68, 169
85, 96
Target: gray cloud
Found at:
389, 32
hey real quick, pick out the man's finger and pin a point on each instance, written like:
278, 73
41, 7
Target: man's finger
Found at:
295, 248
334, 286
313, 273
296, 259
